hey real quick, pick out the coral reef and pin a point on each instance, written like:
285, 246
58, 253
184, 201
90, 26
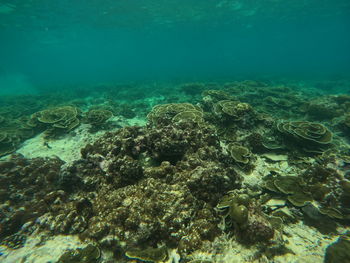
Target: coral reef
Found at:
7, 143
96, 118
239, 153
88, 254
313, 137
150, 185
25, 186
56, 121
232, 110
321, 189
245, 215
165, 114
149, 254
339, 251
225, 165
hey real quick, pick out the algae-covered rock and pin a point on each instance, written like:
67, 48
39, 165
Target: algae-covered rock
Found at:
149, 254
339, 251
7, 144
88, 254
14, 241
24, 185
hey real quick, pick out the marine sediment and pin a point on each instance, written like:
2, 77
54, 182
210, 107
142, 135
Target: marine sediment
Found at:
248, 164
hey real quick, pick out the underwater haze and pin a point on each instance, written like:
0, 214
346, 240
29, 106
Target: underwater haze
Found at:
99, 41
174, 131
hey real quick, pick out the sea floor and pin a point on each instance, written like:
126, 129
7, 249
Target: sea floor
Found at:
265, 105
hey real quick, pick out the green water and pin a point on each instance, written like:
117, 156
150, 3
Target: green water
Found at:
64, 42
179, 131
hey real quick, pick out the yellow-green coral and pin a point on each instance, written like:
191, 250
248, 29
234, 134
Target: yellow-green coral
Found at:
56, 120
339, 251
311, 136
292, 186
235, 206
233, 109
307, 131
148, 254
189, 116
97, 116
88, 254
239, 153
175, 112
7, 143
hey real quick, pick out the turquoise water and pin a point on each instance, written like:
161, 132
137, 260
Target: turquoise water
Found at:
179, 131
101, 41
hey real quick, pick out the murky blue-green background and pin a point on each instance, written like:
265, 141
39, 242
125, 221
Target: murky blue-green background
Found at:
79, 41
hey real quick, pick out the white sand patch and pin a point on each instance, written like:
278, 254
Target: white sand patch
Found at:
66, 148
50, 251
137, 122
306, 243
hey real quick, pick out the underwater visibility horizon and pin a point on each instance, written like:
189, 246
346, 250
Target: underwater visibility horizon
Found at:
178, 131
